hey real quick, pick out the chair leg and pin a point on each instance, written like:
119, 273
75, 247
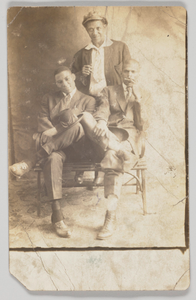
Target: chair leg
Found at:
144, 191
38, 193
137, 185
95, 178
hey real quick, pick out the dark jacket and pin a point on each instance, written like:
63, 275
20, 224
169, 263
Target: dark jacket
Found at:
114, 56
50, 108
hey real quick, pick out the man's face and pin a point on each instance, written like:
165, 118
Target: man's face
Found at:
130, 73
65, 81
96, 31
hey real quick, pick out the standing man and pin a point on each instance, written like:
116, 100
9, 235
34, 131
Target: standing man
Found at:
99, 64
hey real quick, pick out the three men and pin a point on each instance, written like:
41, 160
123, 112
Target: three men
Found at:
71, 122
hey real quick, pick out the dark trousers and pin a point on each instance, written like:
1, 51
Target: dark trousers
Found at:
79, 144
71, 145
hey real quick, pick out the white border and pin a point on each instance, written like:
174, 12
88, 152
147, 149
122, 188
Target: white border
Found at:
10, 288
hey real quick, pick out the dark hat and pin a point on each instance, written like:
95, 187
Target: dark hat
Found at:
121, 133
68, 119
94, 16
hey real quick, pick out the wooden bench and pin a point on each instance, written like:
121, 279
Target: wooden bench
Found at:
137, 174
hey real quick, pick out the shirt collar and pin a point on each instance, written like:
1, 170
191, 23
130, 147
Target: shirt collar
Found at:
71, 94
107, 42
125, 87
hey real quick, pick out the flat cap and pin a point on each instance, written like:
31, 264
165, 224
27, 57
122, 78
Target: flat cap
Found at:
94, 16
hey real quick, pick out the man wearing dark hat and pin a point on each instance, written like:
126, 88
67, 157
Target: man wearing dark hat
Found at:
64, 121
129, 109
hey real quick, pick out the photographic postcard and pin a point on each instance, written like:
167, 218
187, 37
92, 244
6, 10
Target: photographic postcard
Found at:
98, 147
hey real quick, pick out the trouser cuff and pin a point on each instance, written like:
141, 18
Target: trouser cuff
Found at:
57, 216
113, 184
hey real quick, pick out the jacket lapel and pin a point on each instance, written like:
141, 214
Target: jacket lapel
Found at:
75, 99
130, 103
55, 110
87, 57
60, 106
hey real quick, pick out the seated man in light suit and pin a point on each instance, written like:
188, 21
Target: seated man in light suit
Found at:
130, 110
66, 118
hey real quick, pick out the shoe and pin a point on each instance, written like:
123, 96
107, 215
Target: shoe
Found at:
61, 229
19, 169
79, 177
109, 225
99, 180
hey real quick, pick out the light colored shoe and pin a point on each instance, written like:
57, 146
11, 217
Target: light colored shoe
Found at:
99, 180
19, 169
61, 229
79, 177
109, 225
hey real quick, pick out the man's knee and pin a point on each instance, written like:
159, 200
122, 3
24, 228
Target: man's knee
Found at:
88, 122
73, 134
112, 161
56, 157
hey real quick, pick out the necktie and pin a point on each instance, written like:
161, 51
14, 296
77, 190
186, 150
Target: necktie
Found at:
129, 93
65, 102
128, 96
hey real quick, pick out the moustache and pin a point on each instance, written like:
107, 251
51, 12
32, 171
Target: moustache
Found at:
129, 80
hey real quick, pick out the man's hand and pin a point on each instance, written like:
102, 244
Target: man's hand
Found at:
101, 128
87, 70
47, 134
136, 92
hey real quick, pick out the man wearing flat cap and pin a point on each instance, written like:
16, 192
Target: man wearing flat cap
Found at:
99, 63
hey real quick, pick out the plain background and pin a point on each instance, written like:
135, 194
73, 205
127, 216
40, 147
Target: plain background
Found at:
10, 288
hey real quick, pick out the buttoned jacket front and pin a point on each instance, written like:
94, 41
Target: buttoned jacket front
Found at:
50, 108
133, 116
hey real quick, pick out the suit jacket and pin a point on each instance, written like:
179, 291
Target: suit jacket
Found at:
134, 116
114, 56
51, 107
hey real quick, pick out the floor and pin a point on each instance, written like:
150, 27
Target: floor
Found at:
84, 212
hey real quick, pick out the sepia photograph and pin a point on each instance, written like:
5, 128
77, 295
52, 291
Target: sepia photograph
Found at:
98, 141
